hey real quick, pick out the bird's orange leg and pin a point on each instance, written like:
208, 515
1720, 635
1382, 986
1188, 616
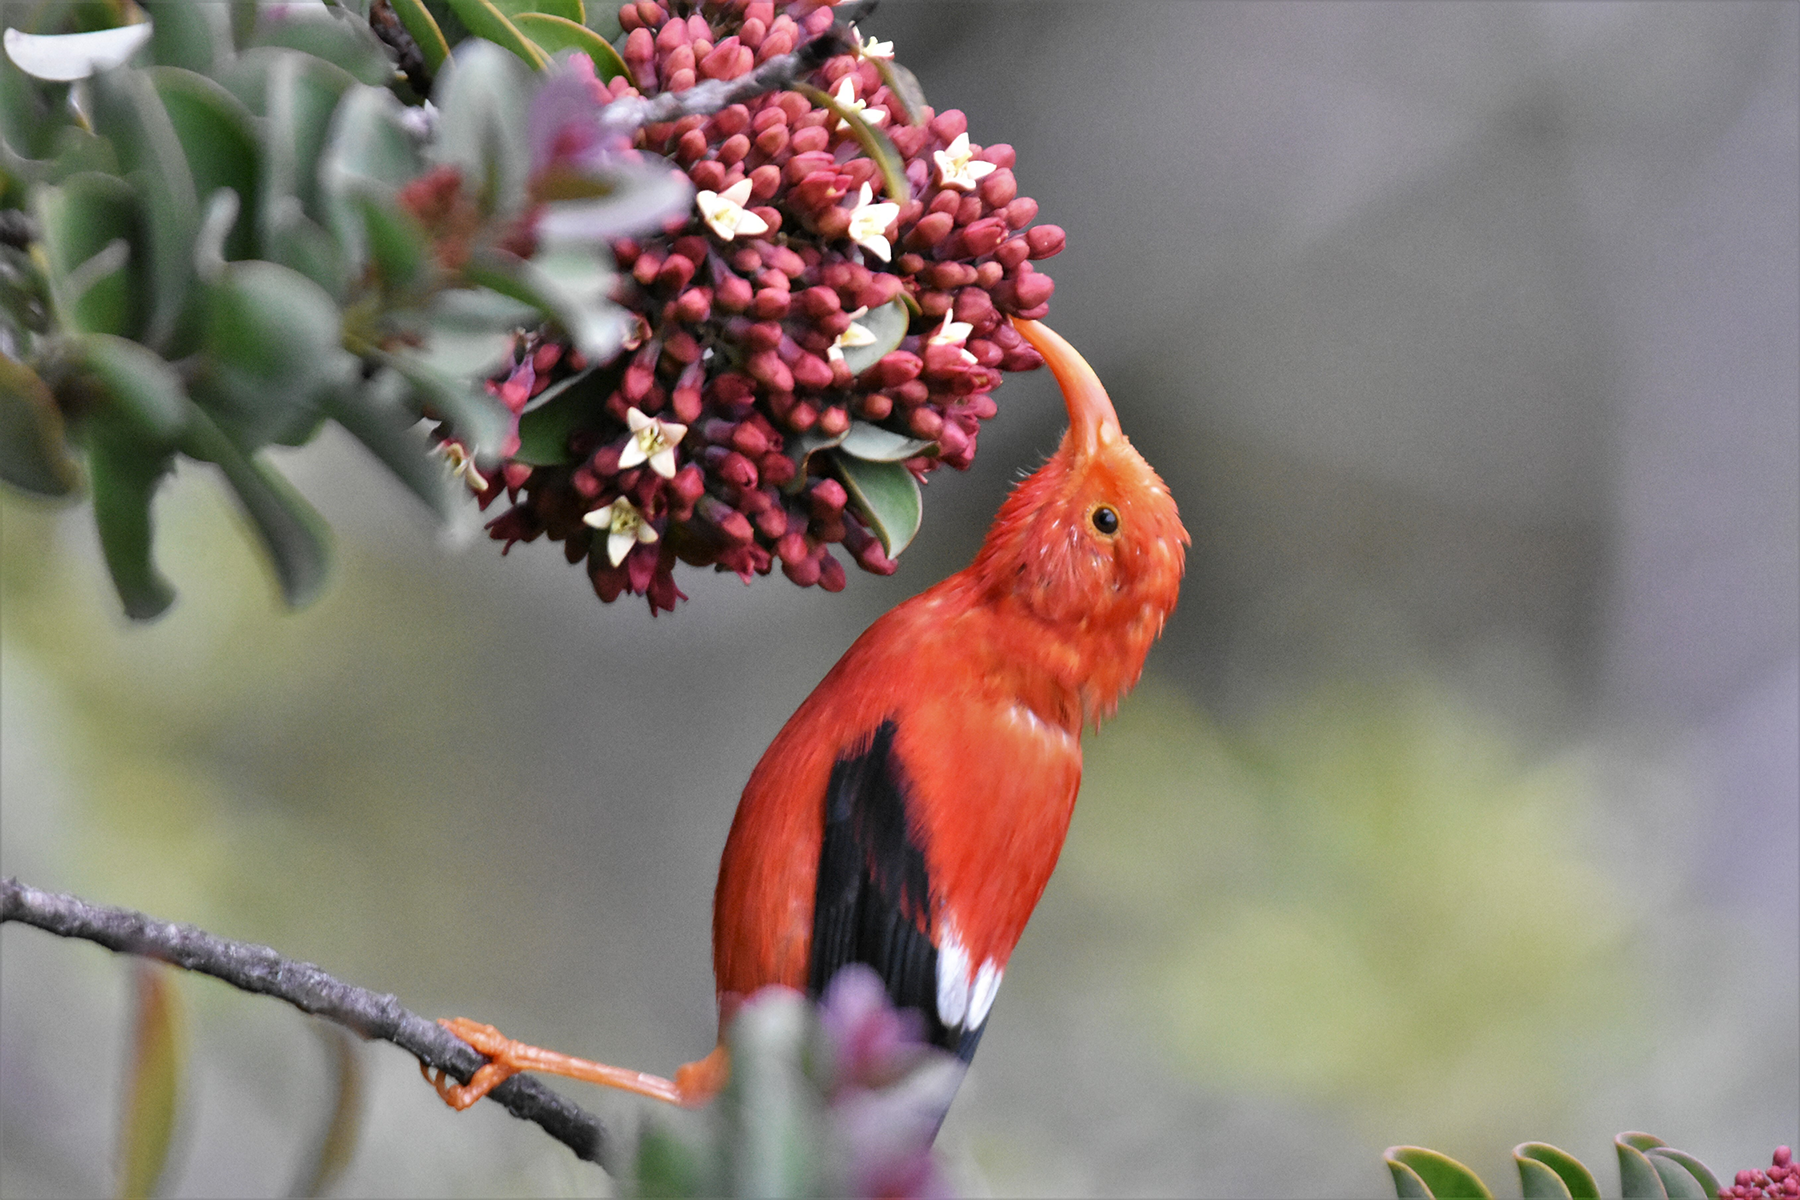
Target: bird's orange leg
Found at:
694, 1084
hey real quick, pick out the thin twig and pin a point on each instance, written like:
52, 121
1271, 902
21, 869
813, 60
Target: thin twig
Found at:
631, 113
254, 968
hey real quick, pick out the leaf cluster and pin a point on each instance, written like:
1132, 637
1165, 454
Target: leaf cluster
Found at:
254, 227
1649, 1169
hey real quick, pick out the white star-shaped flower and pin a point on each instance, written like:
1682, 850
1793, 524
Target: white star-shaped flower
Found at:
869, 222
871, 48
853, 335
462, 465
725, 211
653, 440
953, 333
846, 98
959, 168
625, 527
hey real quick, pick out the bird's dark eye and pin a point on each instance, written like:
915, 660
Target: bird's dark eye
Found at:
1106, 520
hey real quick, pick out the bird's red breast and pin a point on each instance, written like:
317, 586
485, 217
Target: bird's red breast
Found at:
911, 811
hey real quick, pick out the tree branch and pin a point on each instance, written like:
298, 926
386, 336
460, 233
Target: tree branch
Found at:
259, 969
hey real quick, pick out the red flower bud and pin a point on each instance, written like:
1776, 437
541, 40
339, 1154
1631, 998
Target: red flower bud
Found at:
826, 497
1000, 154
772, 522
691, 146
811, 371
947, 125
818, 302
809, 140
875, 406
834, 421
1045, 240
924, 422
750, 33
770, 304
640, 47
982, 237
1033, 289
786, 261
896, 367
735, 294
1021, 212
932, 228
764, 335
767, 366
831, 572
681, 347
1012, 252
802, 416
676, 271
998, 189
694, 305
722, 61
804, 572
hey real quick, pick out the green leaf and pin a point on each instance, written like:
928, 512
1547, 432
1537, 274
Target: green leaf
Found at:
667, 1166
479, 420
561, 409
332, 34
569, 286
1421, 1172
1566, 1174
32, 113
425, 32
568, 10
190, 35
143, 391
291, 530
904, 86
377, 416
294, 240
885, 495
369, 157
123, 479
481, 95
218, 137
887, 325
336, 1143
1638, 1179
485, 20
555, 34
801, 447
872, 443
273, 347
299, 95
876, 144
88, 225
771, 1111
1683, 1175
128, 112
154, 1081
34, 456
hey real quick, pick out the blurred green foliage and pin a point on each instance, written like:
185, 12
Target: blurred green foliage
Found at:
1367, 899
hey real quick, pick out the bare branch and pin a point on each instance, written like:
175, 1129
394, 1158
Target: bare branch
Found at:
259, 969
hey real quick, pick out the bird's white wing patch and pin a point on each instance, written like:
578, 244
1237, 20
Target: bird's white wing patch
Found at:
965, 992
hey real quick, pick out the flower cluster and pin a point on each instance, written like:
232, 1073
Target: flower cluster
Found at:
1780, 1181
757, 318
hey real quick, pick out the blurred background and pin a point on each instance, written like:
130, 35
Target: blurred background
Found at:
1457, 807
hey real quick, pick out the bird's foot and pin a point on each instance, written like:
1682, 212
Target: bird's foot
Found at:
694, 1084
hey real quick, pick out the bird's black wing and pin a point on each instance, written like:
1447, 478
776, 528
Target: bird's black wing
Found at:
873, 902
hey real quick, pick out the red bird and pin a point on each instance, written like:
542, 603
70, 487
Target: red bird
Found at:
910, 813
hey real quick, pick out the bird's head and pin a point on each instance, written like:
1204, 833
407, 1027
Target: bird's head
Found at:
1091, 541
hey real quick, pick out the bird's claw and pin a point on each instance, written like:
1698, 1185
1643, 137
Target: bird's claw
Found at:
496, 1071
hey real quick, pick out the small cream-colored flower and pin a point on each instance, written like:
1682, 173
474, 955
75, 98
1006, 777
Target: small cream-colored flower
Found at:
870, 48
854, 335
959, 168
725, 211
462, 465
869, 222
653, 440
625, 527
953, 333
846, 98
